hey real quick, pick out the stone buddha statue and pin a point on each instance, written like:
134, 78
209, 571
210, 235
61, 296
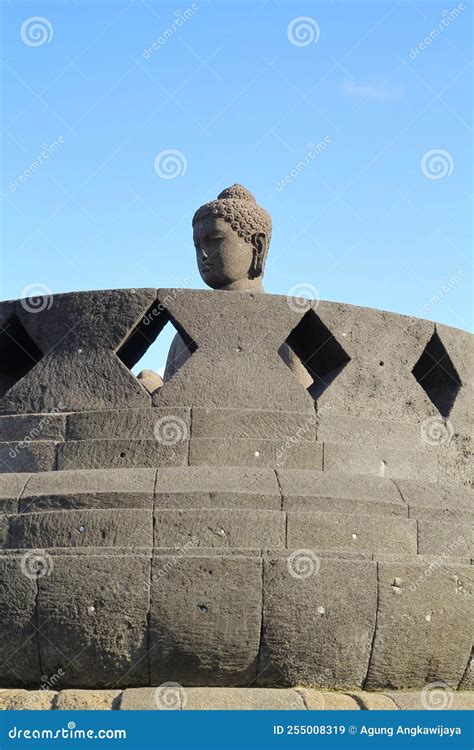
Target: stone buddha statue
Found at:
232, 236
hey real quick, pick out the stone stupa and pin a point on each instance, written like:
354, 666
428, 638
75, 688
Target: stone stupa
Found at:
288, 508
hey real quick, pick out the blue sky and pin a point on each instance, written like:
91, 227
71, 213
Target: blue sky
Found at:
378, 215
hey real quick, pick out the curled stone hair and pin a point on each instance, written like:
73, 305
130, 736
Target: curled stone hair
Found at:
238, 206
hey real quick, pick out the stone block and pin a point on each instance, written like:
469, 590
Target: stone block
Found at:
324, 700
373, 434
127, 527
27, 700
435, 696
436, 502
243, 699
19, 662
89, 488
17, 457
219, 527
217, 487
136, 424
205, 620
318, 620
343, 493
382, 462
120, 454
424, 624
456, 461
87, 700
11, 488
356, 532
255, 452
92, 620
29, 427
253, 424
446, 539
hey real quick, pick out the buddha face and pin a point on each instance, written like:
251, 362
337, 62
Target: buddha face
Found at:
223, 257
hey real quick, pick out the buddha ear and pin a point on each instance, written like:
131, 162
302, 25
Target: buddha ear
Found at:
260, 244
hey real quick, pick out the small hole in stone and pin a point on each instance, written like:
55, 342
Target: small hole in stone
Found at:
239, 349
202, 608
428, 618
91, 610
79, 351
122, 455
381, 364
82, 529
354, 536
221, 532
321, 610
257, 454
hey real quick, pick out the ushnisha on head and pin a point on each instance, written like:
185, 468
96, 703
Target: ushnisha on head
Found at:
232, 236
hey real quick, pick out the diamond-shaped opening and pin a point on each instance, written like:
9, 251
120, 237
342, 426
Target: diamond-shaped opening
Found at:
317, 351
437, 375
145, 351
18, 353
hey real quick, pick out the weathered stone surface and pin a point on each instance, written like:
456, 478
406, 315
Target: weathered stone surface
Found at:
150, 380
120, 454
328, 491
456, 461
399, 464
323, 700
435, 502
383, 347
467, 682
318, 620
19, 662
205, 620
84, 488
127, 527
25, 457
372, 433
143, 699
424, 624
219, 527
136, 424
340, 530
433, 697
243, 699
236, 363
255, 452
373, 701
217, 487
251, 424
92, 616
447, 539
28, 427
30, 700
87, 700
11, 488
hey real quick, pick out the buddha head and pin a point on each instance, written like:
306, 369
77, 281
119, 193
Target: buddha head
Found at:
232, 236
